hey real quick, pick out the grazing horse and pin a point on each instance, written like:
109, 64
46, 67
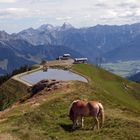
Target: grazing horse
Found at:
83, 108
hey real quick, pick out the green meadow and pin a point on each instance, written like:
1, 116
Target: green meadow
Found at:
44, 117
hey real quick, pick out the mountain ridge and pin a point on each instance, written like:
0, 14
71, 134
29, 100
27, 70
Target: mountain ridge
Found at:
101, 39
111, 43
18, 52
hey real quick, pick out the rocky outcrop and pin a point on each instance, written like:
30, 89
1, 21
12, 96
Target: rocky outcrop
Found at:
48, 84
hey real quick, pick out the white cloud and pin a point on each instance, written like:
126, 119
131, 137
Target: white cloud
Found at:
111, 14
137, 12
132, 1
126, 13
8, 1
16, 10
78, 12
87, 16
64, 18
13, 13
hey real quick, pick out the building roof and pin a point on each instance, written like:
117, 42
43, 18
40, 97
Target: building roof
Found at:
81, 59
66, 54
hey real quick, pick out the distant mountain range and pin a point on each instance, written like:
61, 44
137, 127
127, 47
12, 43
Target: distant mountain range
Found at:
112, 43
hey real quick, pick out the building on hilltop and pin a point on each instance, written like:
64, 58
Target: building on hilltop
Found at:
80, 60
64, 57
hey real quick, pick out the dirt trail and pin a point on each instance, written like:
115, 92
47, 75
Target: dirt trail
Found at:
61, 62
7, 136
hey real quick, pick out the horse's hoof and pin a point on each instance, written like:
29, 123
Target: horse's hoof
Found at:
73, 129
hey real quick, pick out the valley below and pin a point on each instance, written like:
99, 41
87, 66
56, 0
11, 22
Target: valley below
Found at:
123, 68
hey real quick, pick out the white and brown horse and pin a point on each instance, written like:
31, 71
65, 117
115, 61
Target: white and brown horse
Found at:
83, 108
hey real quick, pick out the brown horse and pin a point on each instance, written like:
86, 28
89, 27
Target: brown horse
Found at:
83, 108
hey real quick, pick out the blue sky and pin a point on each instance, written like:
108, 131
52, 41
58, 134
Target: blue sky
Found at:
16, 15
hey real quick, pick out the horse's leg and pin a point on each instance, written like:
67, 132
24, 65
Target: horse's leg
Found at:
94, 123
82, 121
77, 122
74, 123
97, 123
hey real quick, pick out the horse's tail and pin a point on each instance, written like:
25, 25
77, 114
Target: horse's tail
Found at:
101, 111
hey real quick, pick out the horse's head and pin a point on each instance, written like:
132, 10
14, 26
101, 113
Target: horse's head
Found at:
72, 110
71, 114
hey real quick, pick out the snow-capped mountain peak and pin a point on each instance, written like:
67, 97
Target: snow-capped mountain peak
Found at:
45, 27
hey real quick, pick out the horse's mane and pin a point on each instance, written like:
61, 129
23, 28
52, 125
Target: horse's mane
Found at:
101, 106
69, 112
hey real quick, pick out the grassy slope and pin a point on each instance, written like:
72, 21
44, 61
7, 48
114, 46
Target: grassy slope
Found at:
49, 121
10, 92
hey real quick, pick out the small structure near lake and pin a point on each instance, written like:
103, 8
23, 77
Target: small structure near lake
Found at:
45, 67
64, 57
